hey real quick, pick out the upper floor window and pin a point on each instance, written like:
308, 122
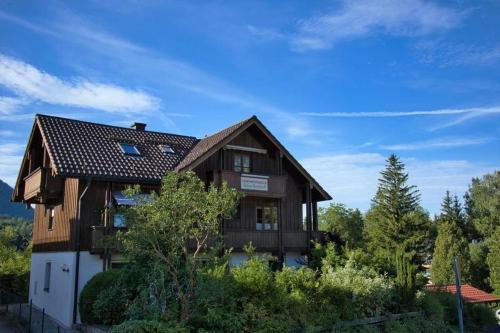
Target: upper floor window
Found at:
267, 217
167, 149
129, 149
52, 214
242, 163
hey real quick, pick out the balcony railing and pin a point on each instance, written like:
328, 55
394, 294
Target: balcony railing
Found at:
40, 186
260, 185
103, 238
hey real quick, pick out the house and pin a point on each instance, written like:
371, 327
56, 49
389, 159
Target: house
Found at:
73, 172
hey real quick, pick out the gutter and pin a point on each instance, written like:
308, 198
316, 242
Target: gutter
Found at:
77, 236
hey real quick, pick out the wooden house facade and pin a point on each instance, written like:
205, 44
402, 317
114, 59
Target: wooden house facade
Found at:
73, 173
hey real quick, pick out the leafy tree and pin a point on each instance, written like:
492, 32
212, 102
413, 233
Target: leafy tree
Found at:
173, 229
483, 210
346, 222
396, 224
493, 260
14, 262
479, 271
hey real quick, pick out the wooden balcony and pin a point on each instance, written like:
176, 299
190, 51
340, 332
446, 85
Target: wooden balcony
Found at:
41, 187
102, 238
254, 185
262, 240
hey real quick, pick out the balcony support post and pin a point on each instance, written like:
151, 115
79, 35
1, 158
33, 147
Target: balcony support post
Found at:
308, 214
315, 215
282, 210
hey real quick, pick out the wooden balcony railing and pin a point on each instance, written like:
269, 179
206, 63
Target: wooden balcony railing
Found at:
40, 186
259, 185
103, 238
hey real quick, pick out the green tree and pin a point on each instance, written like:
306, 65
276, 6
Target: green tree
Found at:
493, 260
14, 262
450, 242
346, 222
173, 228
396, 226
483, 210
479, 271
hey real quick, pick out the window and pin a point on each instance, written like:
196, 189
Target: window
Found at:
267, 218
242, 163
167, 149
52, 213
129, 149
46, 283
119, 221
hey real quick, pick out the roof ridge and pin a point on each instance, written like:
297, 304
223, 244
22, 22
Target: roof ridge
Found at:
112, 126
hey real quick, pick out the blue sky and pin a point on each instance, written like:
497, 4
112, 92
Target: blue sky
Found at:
342, 84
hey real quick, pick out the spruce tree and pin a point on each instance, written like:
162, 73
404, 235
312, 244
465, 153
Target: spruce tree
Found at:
450, 242
396, 221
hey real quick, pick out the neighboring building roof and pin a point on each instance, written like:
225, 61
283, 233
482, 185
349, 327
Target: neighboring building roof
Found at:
469, 293
83, 149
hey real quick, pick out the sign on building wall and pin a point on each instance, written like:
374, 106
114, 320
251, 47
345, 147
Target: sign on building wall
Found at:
254, 183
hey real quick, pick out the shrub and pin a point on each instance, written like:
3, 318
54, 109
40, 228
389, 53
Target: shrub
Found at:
98, 284
349, 287
148, 326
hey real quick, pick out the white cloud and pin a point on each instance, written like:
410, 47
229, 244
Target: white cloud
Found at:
360, 18
9, 163
9, 105
446, 54
464, 114
388, 114
33, 83
436, 143
352, 178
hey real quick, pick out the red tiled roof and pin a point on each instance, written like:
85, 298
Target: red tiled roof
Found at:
469, 293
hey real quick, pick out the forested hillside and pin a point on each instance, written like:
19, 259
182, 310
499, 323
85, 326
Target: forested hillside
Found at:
12, 209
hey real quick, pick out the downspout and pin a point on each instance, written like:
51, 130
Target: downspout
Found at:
77, 236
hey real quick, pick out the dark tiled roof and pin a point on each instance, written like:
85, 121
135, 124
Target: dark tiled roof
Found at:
83, 149
469, 293
205, 144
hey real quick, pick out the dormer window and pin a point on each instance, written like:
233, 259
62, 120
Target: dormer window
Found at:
167, 149
129, 149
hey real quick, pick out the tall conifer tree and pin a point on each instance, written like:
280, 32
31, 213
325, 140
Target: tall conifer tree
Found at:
397, 227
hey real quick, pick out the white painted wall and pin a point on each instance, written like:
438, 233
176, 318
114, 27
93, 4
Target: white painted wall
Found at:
58, 301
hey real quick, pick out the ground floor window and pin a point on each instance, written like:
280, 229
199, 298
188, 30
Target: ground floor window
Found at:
267, 217
46, 284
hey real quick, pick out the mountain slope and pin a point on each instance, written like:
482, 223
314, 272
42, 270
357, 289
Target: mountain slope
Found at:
13, 209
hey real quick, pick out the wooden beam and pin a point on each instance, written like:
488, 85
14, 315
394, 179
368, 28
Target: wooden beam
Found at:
315, 215
245, 148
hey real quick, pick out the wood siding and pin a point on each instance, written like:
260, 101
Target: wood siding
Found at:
61, 237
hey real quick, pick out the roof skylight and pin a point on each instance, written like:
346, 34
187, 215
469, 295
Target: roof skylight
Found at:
129, 149
167, 149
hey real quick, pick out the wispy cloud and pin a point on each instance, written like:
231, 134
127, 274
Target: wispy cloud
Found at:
464, 114
32, 83
352, 178
388, 114
141, 61
9, 105
446, 54
437, 143
357, 19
